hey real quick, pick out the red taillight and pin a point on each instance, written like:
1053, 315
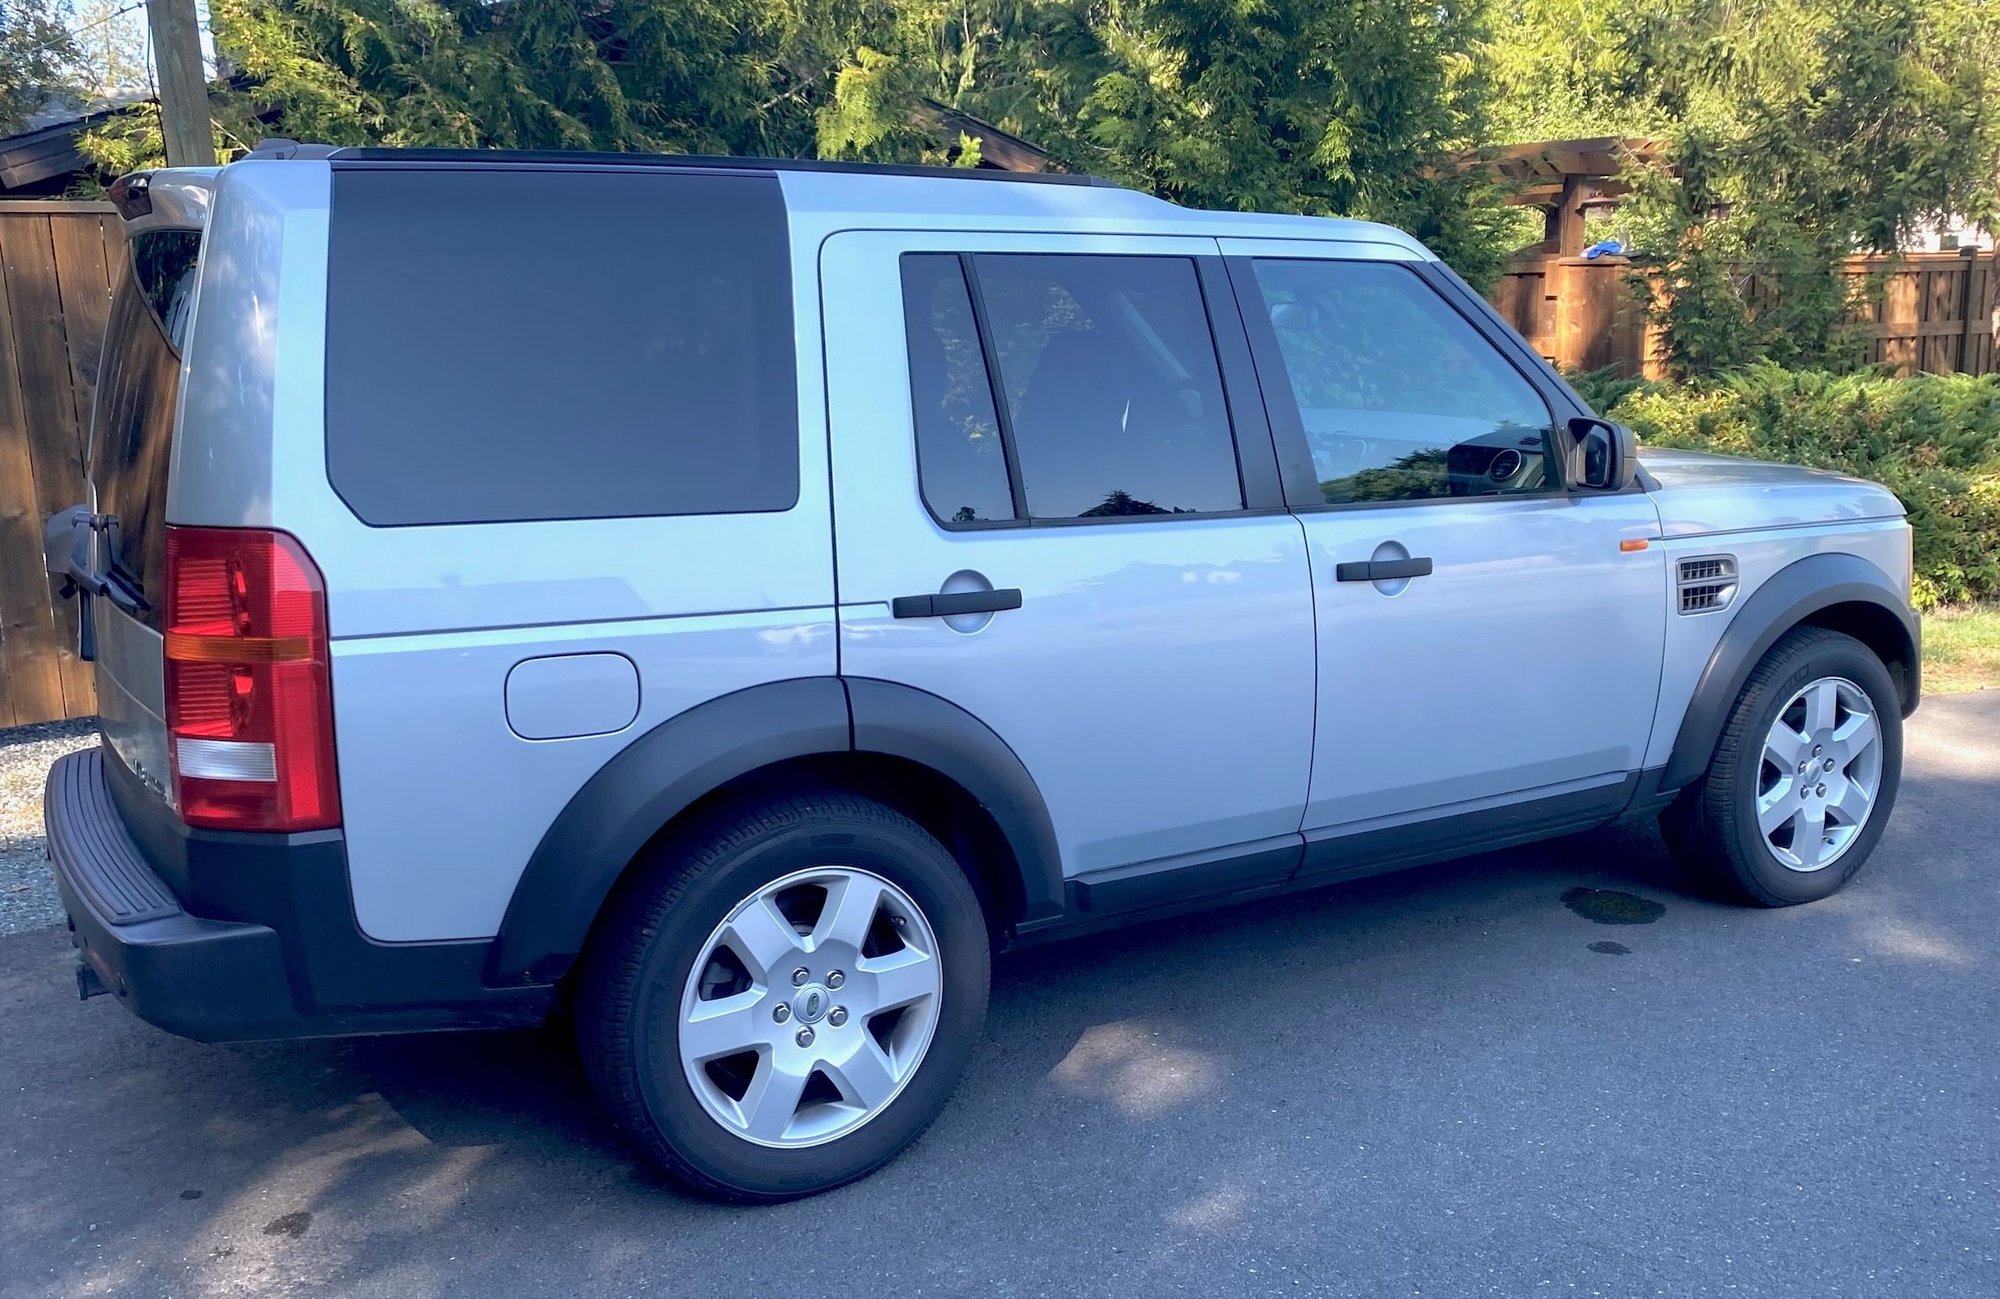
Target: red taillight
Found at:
249, 700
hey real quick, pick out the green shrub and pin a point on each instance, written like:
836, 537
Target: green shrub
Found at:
1934, 440
1603, 389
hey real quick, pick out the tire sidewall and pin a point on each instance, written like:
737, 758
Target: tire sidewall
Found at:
913, 862
1837, 657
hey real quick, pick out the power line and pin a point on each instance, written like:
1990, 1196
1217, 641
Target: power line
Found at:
75, 32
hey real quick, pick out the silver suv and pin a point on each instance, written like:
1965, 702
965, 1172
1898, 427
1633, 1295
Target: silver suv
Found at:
727, 600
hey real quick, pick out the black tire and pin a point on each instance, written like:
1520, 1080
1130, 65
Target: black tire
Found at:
1712, 827
628, 1004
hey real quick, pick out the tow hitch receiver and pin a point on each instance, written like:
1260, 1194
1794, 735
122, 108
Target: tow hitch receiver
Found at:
88, 982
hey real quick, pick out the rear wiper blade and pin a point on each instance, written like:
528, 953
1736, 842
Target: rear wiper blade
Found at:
68, 552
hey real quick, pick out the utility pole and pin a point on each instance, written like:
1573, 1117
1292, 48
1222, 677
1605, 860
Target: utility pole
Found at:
183, 87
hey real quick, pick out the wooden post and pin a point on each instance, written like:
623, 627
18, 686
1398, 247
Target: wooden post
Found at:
183, 85
1569, 218
1971, 256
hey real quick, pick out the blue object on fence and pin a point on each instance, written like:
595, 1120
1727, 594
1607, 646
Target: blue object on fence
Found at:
1613, 247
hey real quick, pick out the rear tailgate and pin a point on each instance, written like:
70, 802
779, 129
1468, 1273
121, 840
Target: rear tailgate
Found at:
130, 448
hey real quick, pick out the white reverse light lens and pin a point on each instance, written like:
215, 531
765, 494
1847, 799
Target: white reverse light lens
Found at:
226, 759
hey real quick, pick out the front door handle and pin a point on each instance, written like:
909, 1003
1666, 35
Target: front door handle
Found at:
1383, 570
944, 606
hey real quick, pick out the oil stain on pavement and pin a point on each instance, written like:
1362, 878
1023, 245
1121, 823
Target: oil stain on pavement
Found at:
1610, 907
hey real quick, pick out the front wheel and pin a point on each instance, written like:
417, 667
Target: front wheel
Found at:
789, 1003
1803, 778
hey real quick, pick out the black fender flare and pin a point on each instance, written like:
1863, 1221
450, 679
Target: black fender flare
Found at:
644, 786
1787, 598
903, 722
668, 769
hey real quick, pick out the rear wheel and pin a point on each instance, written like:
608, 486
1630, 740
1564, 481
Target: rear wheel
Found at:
1803, 778
788, 1005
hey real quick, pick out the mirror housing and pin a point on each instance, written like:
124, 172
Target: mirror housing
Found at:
1606, 455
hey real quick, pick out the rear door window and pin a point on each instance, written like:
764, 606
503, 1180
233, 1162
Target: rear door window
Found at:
138, 384
1113, 391
960, 455
509, 345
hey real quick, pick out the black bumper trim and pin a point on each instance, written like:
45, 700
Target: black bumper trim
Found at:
204, 979
84, 830
275, 952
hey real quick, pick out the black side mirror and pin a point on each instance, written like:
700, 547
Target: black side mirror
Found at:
1606, 456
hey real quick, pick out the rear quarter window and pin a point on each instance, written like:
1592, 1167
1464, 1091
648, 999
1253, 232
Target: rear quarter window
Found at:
507, 345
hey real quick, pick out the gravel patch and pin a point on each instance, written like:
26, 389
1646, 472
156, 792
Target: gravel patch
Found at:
28, 898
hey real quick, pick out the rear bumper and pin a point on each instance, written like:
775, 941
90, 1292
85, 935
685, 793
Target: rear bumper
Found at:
204, 979
284, 960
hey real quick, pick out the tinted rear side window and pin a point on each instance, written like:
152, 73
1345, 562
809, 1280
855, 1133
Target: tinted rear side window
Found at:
542, 344
1111, 383
132, 424
959, 451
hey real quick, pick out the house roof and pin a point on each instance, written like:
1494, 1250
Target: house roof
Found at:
998, 149
46, 150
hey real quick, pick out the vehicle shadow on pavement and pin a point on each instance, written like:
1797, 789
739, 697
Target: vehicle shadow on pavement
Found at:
508, 1089
485, 1089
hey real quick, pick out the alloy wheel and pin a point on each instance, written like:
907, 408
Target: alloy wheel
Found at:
810, 1007
1820, 773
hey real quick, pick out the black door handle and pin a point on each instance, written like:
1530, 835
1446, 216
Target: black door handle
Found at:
944, 606
1382, 570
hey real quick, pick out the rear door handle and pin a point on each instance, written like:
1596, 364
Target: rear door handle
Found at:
944, 606
1383, 570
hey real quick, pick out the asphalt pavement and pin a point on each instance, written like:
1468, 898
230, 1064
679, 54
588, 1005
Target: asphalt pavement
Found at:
1447, 1082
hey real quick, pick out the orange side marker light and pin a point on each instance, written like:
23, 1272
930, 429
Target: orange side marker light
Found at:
1631, 544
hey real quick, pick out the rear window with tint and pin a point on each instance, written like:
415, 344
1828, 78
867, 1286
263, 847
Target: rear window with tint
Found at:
555, 344
132, 425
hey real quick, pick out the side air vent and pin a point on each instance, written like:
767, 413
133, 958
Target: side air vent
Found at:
1707, 583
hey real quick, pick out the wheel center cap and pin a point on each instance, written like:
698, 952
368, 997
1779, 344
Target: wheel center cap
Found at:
810, 1003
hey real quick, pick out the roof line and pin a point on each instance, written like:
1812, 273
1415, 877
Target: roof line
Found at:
661, 161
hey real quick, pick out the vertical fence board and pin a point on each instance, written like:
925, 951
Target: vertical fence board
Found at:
30, 675
1976, 355
82, 277
1939, 350
1900, 312
48, 399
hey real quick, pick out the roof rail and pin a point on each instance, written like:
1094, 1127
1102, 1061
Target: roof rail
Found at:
279, 147
666, 161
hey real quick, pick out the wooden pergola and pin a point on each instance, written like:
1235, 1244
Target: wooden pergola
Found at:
1565, 178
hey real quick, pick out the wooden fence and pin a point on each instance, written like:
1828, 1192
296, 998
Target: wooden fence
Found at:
1936, 313
55, 292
